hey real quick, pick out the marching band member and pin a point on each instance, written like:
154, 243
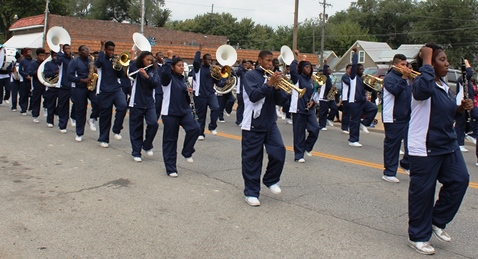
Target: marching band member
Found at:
15, 80
239, 89
141, 105
326, 117
64, 92
158, 92
461, 120
5, 83
109, 93
205, 95
395, 116
37, 88
51, 69
25, 81
346, 85
259, 130
302, 109
358, 103
176, 111
226, 102
78, 75
434, 152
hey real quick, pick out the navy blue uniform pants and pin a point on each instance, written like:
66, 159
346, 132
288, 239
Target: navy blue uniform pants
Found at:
460, 125
158, 103
226, 102
170, 139
4, 89
345, 115
14, 87
357, 110
201, 104
35, 101
394, 133
301, 123
58, 102
327, 111
239, 109
24, 93
105, 103
450, 170
137, 116
253, 154
81, 96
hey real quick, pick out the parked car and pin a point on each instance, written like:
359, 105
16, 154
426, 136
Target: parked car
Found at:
338, 83
452, 78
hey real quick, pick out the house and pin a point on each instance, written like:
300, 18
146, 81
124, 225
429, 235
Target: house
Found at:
331, 58
376, 54
28, 33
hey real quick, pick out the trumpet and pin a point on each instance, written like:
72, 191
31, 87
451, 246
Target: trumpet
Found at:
284, 84
414, 74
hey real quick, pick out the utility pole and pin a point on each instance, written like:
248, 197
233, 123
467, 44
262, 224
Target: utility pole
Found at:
296, 21
210, 18
324, 17
46, 23
142, 17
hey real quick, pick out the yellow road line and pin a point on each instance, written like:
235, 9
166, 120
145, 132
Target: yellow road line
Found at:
336, 158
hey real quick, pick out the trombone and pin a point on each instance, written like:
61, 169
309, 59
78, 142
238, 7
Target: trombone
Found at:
284, 84
413, 74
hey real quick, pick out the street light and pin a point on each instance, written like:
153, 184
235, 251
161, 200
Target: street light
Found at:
15, 18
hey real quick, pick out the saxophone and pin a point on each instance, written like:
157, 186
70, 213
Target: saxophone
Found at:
333, 91
92, 76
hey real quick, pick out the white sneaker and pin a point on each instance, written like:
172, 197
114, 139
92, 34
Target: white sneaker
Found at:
288, 121
23, 114
390, 179
275, 188
402, 153
14, 110
222, 121
422, 247
441, 234
49, 125
253, 201
78, 138
104, 144
214, 132
283, 116
73, 122
355, 144
324, 129
189, 159
302, 160
92, 124
308, 153
7, 101
363, 128
45, 112
35, 120
118, 137
149, 152
63, 131
201, 137
476, 163
345, 132
470, 138
463, 149
330, 123
174, 175
137, 159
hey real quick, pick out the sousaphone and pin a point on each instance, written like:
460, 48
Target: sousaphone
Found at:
286, 57
55, 37
226, 56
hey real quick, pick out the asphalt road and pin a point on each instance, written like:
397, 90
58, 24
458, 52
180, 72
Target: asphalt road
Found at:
63, 199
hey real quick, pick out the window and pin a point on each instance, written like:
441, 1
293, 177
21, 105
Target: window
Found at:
361, 56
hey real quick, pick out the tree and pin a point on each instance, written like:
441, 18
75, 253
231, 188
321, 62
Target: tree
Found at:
25, 8
154, 15
450, 23
340, 36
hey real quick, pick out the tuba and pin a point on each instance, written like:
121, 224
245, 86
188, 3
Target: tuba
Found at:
373, 82
285, 58
55, 37
141, 43
226, 56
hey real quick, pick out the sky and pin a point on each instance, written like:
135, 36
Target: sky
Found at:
273, 13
